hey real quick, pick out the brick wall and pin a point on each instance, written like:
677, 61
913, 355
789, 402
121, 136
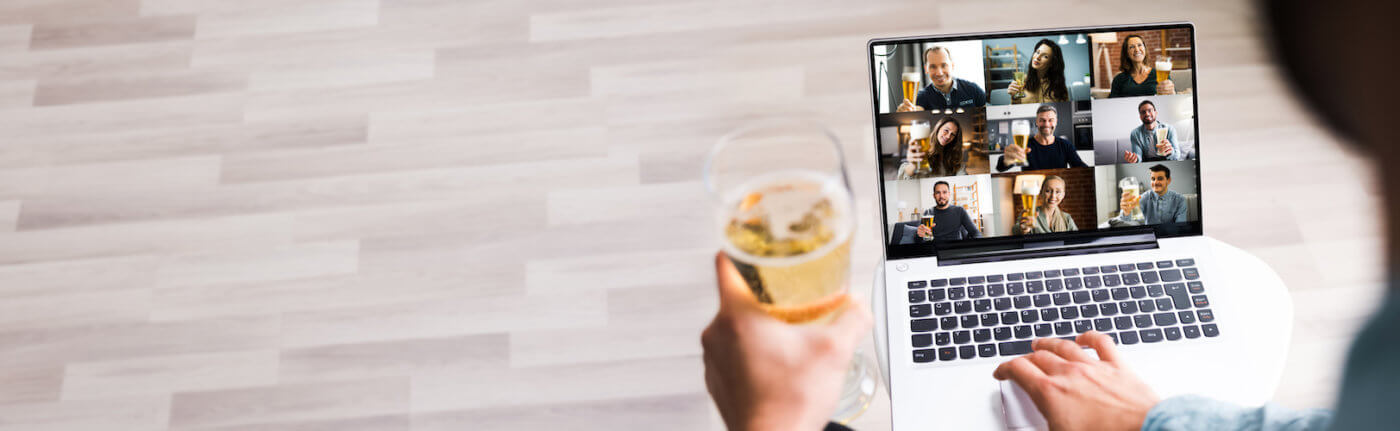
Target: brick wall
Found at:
1079, 194
1152, 39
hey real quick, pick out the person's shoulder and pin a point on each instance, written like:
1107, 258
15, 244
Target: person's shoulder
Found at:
969, 85
1120, 77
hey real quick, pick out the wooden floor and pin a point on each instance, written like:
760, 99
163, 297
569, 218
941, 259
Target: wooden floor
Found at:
486, 214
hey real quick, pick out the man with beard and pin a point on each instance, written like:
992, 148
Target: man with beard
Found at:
1045, 150
1146, 147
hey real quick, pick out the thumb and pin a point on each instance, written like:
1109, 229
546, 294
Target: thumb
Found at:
854, 322
734, 292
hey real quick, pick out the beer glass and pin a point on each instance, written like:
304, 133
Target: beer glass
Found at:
1133, 189
910, 81
1164, 68
1161, 133
919, 133
1020, 136
1028, 198
786, 219
927, 221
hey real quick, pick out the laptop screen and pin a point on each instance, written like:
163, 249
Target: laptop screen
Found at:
1037, 135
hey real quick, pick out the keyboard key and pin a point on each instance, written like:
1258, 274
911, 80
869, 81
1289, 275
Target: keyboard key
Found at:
923, 325
1112, 280
989, 319
962, 337
957, 281
977, 279
926, 355
1200, 301
1035, 286
967, 352
1082, 326
1042, 329
1069, 312
1195, 287
982, 305
1131, 278
1061, 298
1064, 328
938, 283
937, 295
1123, 322
920, 310
975, 292
923, 340
1185, 262
1186, 317
986, 350
1089, 310
1022, 332
1210, 330
956, 293
1015, 277
1032, 275
962, 307
947, 353
1022, 302
1128, 307
948, 323
1173, 333
995, 290
942, 339
981, 335
1054, 285
917, 284
1108, 269
995, 278
942, 308
1170, 275
1127, 267
1114, 336
1119, 293
1100, 295
1164, 304
1128, 337
1013, 348
1150, 277
1093, 282
1137, 292
1108, 308
1164, 319
1143, 320
1010, 318
1081, 297
1191, 331
1164, 264
1029, 316
1002, 333
1147, 305
1070, 272
969, 321
1143, 266
1001, 304
1091, 270
1074, 283
1052, 273
1151, 335
1190, 273
1049, 314
916, 296
1015, 288
1103, 324
1205, 316
1155, 290
1042, 300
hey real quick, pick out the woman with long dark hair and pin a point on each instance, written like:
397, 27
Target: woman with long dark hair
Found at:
947, 158
1045, 76
1135, 74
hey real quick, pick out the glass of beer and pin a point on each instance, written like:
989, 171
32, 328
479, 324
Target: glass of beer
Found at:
1020, 136
786, 219
1161, 133
1132, 191
919, 133
927, 221
1164, 68
1028, 197
910, 81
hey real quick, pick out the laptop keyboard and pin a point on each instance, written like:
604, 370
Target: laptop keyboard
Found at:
993, 315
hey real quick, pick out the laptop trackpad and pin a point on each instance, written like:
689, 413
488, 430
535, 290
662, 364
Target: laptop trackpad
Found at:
1018, 408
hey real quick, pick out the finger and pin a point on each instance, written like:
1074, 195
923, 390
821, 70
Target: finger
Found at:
853, 324
1022, 371
733, 290
1048, 361
1101, 344
1062, 348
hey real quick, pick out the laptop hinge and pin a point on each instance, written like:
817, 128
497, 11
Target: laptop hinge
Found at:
1144, 238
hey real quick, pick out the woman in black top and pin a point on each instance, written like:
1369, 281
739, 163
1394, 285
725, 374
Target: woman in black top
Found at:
1045, 151
1135, 74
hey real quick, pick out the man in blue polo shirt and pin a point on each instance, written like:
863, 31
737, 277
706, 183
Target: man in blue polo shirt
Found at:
945, 91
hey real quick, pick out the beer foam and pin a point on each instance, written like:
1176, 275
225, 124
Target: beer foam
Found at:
919, 130
1164, 65
911, 76
1029, 189
793, 206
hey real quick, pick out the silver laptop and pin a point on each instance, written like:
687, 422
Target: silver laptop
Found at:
1040, 183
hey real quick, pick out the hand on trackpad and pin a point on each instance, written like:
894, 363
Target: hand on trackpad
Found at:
1018, 408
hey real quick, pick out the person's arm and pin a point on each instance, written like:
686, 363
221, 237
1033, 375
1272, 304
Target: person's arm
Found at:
1001, 163
1180, 216
971, 227
979, 96
1177, 154
1072, 156
1069, 220
1136, 145
1192, 412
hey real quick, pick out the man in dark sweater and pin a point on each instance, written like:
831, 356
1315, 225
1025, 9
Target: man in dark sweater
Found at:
949, 221
1045, 150
945, 90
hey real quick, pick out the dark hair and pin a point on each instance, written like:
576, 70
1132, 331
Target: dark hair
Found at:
1147, 102
1125, 64
1046, 108
1163, 169
944, 183
948, 161
938, 48
1054, 73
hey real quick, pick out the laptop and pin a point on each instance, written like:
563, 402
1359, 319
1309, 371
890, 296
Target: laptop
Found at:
1041, 183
